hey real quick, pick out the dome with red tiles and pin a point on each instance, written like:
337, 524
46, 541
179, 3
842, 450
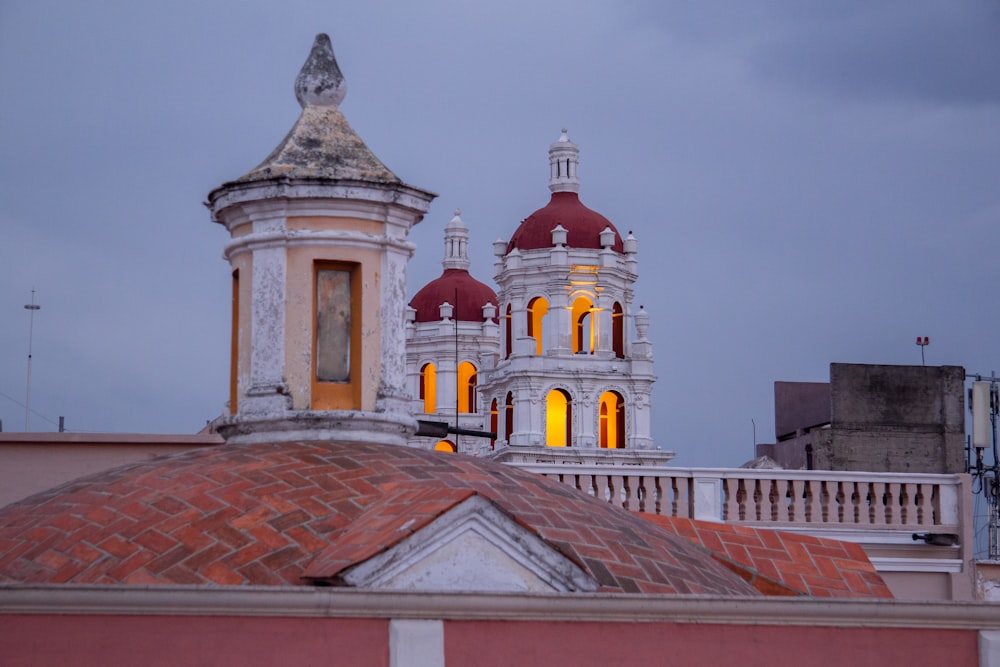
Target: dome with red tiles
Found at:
583, 226
457, 287
299, 513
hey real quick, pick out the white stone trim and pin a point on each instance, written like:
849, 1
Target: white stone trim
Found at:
916, 564
298, 238
989, 648
310, 602
397, 195
415, 643
500, 555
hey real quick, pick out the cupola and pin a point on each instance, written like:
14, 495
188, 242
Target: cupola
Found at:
455, 285
318, 252
582, 225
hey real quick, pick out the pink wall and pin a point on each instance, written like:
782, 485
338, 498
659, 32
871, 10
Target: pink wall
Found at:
155, 641
488, 644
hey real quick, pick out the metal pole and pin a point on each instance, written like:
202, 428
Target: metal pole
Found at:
31, 308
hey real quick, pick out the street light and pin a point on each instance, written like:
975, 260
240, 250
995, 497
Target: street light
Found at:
31, 308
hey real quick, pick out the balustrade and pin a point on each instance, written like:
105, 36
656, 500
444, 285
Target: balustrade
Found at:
785, 497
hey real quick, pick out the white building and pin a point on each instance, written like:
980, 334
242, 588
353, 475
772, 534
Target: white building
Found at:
451, 334
567, 370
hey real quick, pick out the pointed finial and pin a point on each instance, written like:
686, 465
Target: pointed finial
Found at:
320, 82
458, 212
565, 135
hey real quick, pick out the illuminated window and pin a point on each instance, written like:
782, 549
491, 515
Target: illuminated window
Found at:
558, 419
508, 335
583, 326
466, 387
336, 337
538, 308
445, 446
494, 422
234, 347
508, 416
618, 330
612, 420
428, 387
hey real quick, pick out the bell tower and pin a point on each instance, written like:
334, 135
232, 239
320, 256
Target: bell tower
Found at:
318, 248
574, 375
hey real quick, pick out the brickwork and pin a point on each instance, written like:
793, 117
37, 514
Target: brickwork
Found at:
781, 563
260, 514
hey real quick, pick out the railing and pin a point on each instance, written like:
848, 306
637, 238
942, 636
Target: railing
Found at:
786, 497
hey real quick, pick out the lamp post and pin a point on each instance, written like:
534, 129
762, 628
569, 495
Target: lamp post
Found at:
923, 341
31, 308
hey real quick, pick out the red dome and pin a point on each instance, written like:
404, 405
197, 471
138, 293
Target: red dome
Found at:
472, 296
583, 225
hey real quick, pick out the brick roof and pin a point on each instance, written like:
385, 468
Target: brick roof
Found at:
261, 514
782, 563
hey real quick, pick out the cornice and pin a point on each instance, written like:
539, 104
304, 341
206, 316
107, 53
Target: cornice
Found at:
312, 602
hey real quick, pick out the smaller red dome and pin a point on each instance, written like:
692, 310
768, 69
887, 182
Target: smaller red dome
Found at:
472, 296
584, 226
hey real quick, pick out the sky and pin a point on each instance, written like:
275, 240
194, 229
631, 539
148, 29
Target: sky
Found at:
810, 182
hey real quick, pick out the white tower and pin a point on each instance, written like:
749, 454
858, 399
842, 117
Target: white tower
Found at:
451, 336
318, 251
576, 368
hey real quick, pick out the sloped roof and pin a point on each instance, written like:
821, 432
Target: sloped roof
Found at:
322, 145
783, 563
261, 514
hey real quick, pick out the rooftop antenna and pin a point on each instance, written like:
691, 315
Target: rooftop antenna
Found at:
923, 341
31, 308
984, 403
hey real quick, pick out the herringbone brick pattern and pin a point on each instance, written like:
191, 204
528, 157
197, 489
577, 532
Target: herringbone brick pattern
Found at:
259, 514
781, 563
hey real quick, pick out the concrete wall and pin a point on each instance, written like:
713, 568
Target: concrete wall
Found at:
895, 419
907, 419
34, 462
799, 406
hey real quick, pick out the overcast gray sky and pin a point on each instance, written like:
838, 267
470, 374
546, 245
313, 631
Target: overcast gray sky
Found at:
809, 181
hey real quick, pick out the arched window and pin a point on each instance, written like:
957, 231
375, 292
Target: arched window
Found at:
618, 330
445, 446
466, 387
508, 417
538, 308
612, 420
494, 422
558, 419
428, 387
508, 335
583, 326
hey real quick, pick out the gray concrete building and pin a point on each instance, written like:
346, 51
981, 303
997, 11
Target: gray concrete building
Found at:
874, 418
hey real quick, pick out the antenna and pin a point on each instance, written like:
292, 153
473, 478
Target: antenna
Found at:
984, 402
31, 308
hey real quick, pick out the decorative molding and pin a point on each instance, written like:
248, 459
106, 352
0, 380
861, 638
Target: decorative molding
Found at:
304, 601
473, 546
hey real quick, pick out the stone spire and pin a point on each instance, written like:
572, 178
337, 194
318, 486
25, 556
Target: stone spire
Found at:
456, 244
564, 162
320, 82
321, 144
